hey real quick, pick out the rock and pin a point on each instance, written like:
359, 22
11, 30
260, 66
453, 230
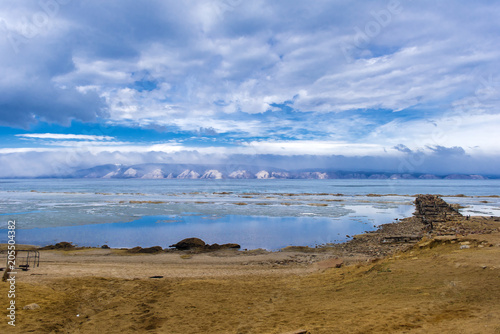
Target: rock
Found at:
134, 250
60, 245
31, 306
198, 244
224, 246
189, 243
215, 246
150, 250
230, 246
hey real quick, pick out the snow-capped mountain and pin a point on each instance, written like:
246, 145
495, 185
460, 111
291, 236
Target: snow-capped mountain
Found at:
241, 174
212, 174
188, 174
263, 174
217, 172
132, 173
156, 174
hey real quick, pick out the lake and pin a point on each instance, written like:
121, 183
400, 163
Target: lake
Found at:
268, 214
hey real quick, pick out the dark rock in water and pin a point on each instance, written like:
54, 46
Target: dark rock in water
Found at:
105, 247
189, 243
60, 245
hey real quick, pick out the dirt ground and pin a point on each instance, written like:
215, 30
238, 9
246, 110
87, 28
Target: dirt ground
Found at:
441, 285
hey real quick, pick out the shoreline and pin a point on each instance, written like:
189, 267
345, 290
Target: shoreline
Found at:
446, 281
411, 227
288, 216
385, 240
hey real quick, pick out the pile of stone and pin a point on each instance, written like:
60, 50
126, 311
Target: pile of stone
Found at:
433, 209
431, 212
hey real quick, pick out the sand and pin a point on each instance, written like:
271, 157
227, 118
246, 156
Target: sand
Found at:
442, 284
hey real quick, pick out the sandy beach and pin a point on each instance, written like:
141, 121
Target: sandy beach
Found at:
445, 282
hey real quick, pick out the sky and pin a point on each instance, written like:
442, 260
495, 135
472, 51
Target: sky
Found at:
401, 86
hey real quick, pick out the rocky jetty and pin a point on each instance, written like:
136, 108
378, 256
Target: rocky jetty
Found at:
433, 209
432, 217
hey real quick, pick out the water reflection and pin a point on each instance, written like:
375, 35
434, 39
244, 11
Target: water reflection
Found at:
250, 232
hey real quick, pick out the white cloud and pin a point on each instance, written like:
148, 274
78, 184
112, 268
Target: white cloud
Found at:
311, 147
221, 64
64, 136
477, 134
285, 148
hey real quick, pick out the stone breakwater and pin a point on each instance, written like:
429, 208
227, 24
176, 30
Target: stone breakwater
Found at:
433, 209
433, 217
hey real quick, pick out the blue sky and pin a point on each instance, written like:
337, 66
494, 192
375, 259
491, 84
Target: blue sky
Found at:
403, 86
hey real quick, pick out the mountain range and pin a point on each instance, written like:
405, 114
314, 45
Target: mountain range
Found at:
201, 171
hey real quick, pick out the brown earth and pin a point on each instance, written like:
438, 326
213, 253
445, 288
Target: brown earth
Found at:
448, 282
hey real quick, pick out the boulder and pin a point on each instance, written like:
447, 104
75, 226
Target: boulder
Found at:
150, 250
224, 246
134, 250
60, 245
200, 245
231, 246
32, 306
189, 243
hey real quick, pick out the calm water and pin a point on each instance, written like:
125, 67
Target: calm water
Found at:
254, 213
